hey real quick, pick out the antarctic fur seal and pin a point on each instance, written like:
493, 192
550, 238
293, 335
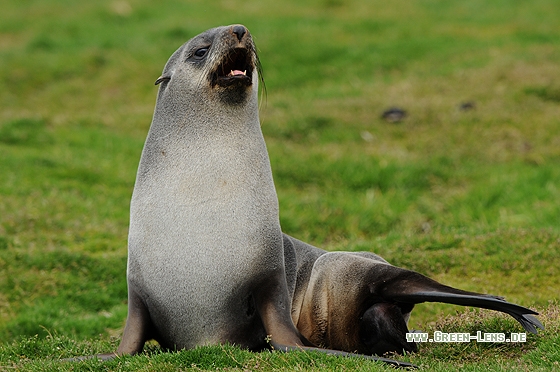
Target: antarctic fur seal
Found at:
205, 257
357, 301
205, 248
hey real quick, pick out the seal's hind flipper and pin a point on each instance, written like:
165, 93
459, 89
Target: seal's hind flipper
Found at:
522, 314
419, 288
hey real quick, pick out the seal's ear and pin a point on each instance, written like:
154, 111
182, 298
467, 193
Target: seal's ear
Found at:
171, 65
162, 79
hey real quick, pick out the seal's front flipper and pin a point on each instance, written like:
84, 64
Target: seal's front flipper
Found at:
394, 363
138, 326
411, 287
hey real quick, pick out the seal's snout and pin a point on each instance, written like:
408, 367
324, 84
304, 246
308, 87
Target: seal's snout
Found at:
234, 63
239, 31
237, 64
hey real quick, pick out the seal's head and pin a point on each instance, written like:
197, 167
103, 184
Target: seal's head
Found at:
222, 61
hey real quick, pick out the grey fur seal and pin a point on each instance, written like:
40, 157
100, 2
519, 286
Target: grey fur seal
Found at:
205, 248
357, 301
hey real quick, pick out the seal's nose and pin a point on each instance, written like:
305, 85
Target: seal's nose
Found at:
240, 31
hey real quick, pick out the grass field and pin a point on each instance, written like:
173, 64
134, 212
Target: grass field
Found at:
470, 197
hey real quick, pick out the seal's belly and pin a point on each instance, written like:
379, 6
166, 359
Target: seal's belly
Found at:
204, 234
198, 268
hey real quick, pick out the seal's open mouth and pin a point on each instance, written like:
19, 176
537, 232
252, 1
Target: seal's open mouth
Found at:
236, 68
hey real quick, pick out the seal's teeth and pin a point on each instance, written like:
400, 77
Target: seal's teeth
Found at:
237, 73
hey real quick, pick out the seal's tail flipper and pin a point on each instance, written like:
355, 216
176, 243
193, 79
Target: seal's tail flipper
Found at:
416, 288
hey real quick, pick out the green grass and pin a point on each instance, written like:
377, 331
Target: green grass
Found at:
469, 198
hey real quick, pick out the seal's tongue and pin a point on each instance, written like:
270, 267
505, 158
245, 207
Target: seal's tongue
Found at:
237, 73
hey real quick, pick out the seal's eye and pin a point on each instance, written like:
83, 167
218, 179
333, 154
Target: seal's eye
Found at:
201, 52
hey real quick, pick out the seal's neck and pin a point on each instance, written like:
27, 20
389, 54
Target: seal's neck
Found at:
197, 114
196, 147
